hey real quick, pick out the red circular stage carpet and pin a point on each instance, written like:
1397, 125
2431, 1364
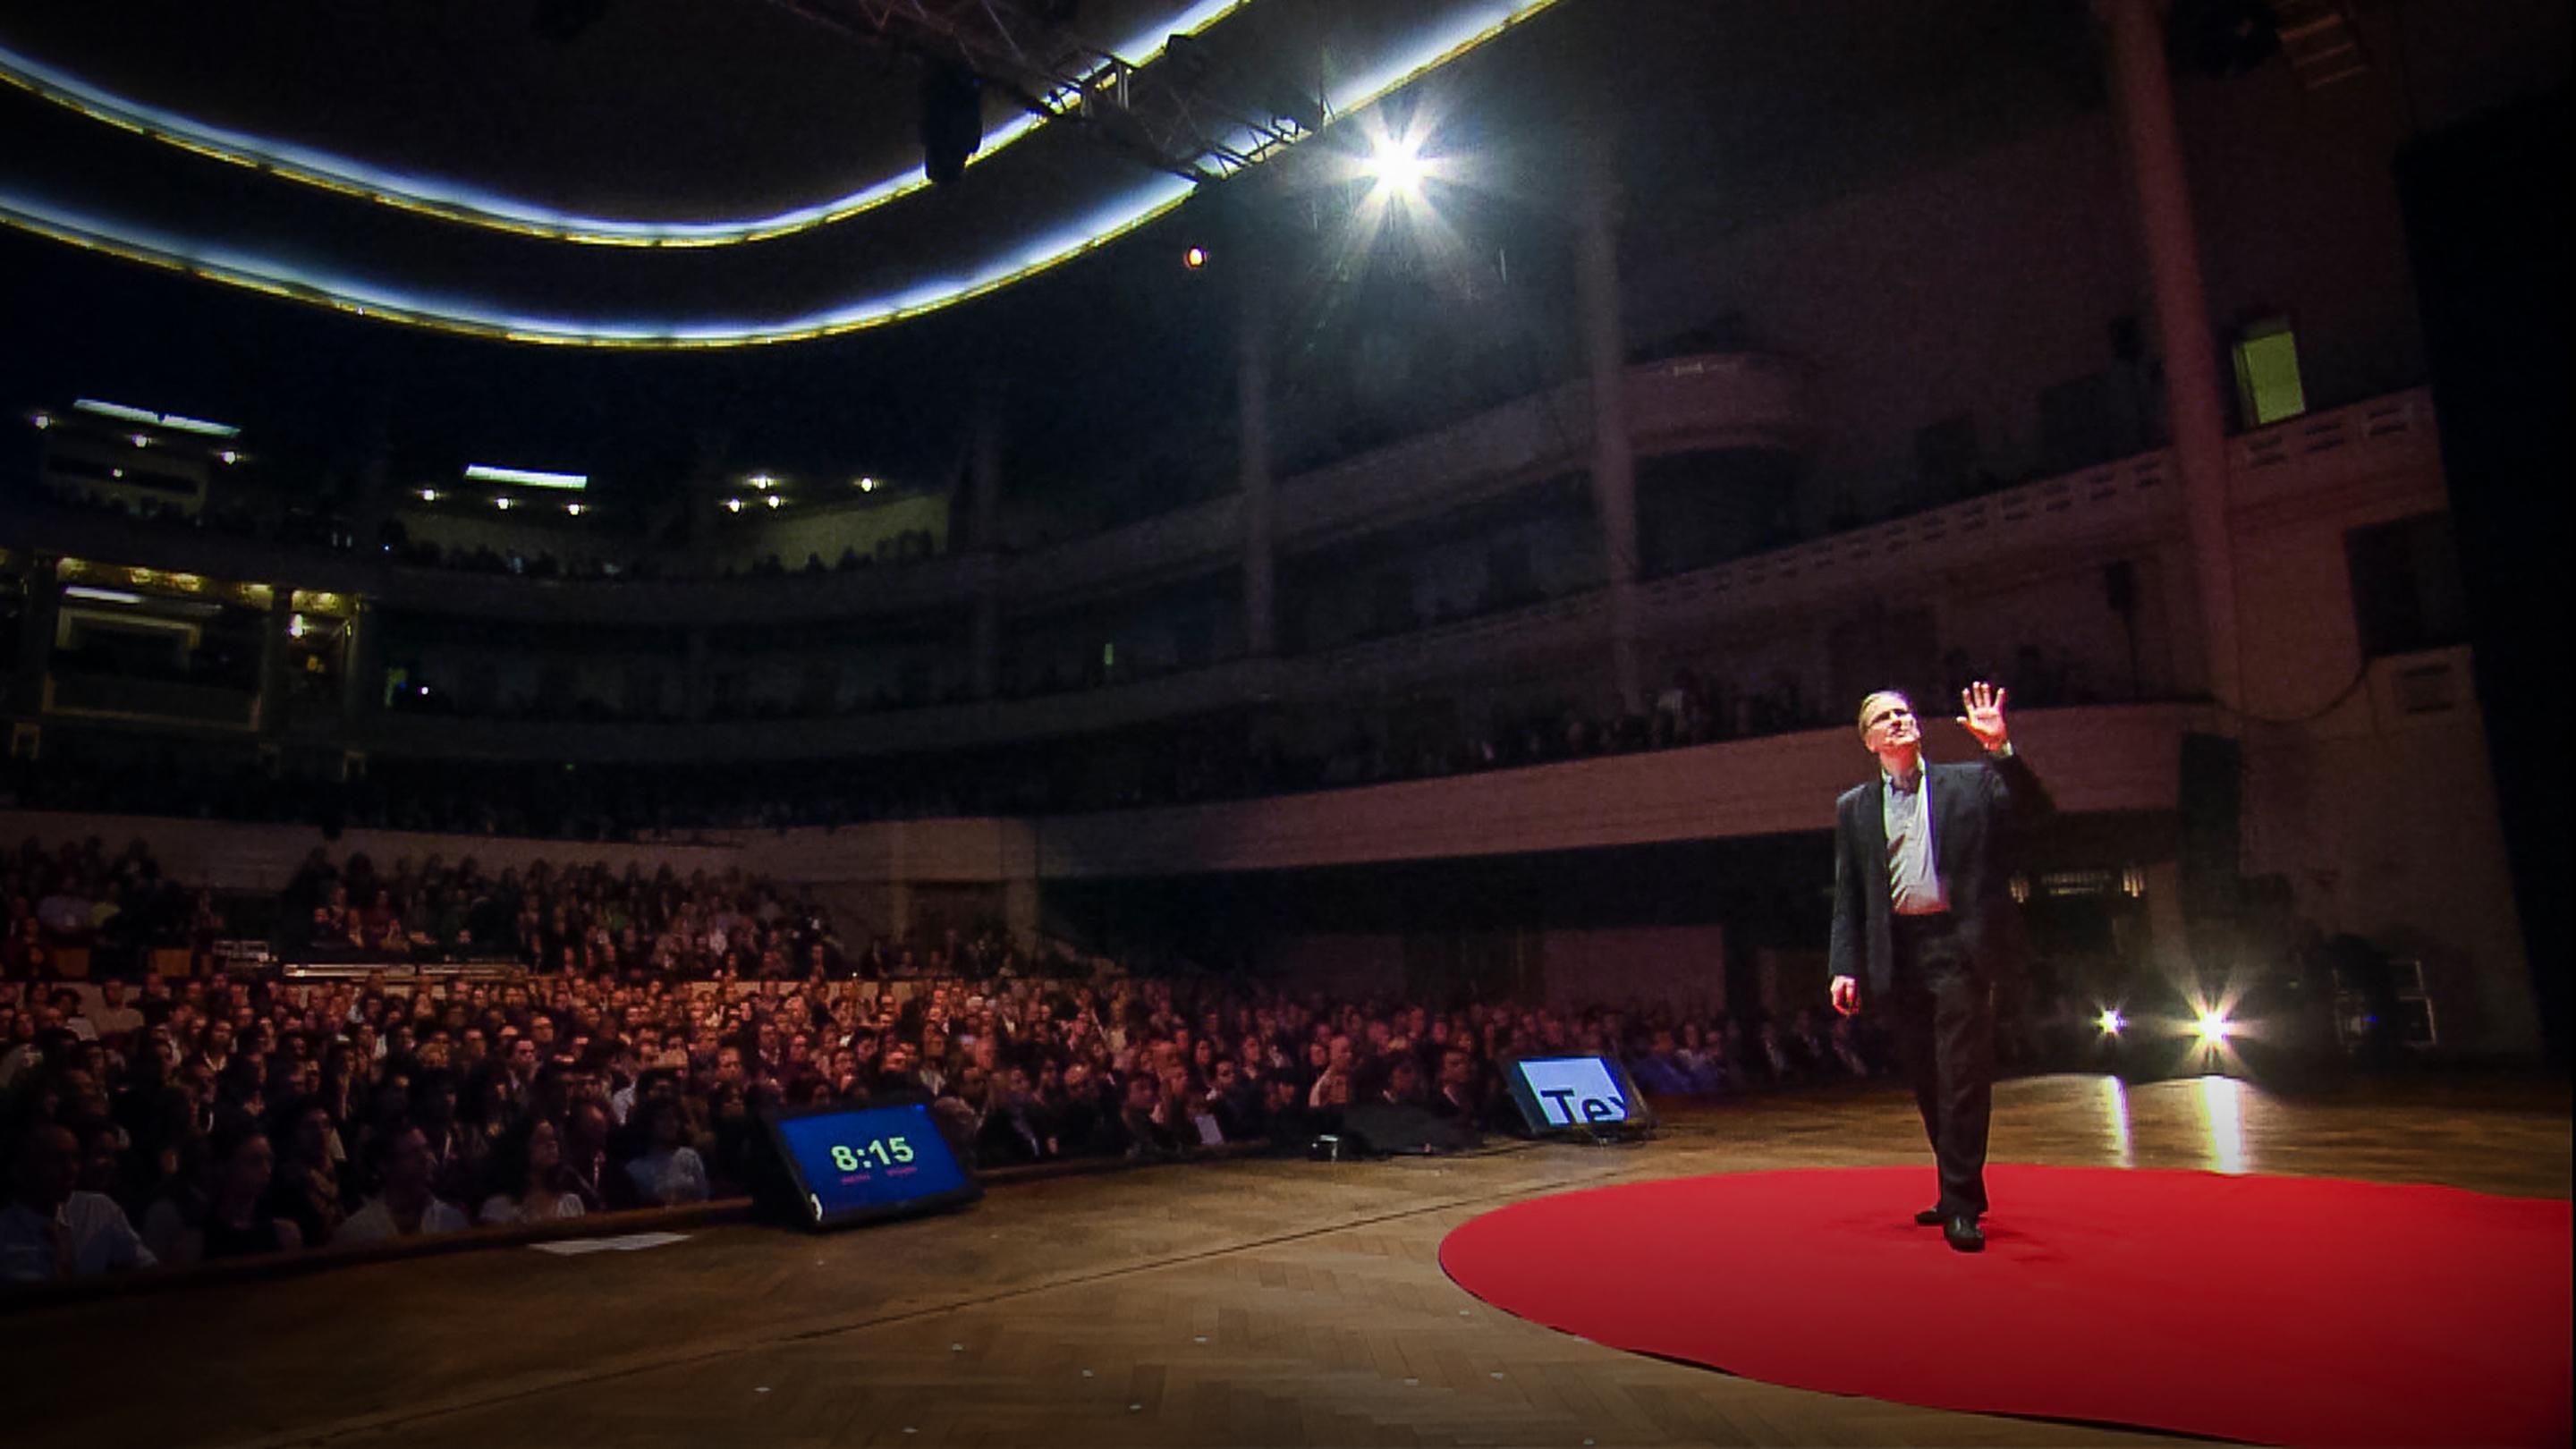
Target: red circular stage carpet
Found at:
2275, 1309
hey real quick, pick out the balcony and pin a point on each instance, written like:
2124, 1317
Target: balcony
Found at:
2385, 446
2118, 758
150, 701
1681, 404
1677, 404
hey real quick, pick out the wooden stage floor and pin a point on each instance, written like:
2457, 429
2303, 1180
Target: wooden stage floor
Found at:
1248, 1302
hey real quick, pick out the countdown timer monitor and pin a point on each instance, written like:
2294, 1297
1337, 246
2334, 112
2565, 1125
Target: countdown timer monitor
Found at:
860, 1164
1590, 1097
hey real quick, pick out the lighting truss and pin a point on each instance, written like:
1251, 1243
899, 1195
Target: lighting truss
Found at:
1185, 114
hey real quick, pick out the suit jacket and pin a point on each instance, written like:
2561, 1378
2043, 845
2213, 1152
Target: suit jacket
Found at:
1977, 810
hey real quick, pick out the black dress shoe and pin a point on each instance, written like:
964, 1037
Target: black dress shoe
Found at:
1930, 1217
1963, 1234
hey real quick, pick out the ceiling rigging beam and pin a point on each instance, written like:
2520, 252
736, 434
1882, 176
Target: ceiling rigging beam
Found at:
1188, 113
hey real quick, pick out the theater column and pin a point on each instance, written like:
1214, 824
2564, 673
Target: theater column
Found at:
362, 661
38, 620
274, 660
1614, 461
2142, 91
1252, 411
987, 482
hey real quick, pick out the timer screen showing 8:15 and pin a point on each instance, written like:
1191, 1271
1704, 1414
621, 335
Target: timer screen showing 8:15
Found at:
869, 1161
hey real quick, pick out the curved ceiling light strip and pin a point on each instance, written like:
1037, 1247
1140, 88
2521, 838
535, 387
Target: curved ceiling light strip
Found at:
471, 206
363, 298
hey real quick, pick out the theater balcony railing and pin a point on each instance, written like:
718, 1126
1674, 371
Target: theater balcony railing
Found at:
1681, 404
157, 703
2136, 502
1678, 404
2108, 760
2384, 442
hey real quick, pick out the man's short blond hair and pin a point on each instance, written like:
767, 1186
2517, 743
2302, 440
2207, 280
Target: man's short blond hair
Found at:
1870, 701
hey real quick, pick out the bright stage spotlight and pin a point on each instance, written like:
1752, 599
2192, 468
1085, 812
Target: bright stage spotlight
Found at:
2214, 1028
2111, 1021
1397, 166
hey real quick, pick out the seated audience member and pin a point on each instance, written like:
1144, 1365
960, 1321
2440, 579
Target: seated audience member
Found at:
669, 1172
587, 1168
65, 912
1147, 1135
1403, 1085
1014, 1130
1657, 1070
26, 955
51, 1230
1457, 1099
237, 1221
1292, 1123
403, 1206
527, 1174
1235, 1103
114, 1019
311, 1187
1700, 1061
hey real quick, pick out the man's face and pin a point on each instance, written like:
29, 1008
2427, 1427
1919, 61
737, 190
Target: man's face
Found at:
407, 1162
1889, 724
48, 1164
99, 1163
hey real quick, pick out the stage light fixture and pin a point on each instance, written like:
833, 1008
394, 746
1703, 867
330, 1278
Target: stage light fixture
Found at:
2111, 1021
1396, 164
429, 495
42, 421
2214, 1027
1194, 258
952, 120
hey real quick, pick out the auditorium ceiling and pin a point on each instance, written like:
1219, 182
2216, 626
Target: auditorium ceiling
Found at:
644, 172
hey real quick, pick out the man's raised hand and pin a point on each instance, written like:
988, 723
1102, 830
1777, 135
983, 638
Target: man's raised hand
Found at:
1984, 704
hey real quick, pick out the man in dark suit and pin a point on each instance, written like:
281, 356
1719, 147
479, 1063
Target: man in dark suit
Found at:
1923, 921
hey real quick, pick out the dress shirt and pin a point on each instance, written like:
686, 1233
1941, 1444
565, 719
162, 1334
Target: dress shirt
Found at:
1914, 885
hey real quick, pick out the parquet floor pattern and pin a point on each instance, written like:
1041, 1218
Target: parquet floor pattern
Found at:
1285, 1303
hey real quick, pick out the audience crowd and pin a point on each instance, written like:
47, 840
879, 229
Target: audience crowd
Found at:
232, 1113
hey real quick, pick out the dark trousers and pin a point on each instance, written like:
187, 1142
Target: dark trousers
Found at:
1942, 1014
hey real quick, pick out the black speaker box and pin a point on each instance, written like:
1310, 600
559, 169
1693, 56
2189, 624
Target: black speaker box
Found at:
1389, 1128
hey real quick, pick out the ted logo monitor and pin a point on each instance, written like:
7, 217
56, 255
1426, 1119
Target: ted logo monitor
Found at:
1577, 1094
